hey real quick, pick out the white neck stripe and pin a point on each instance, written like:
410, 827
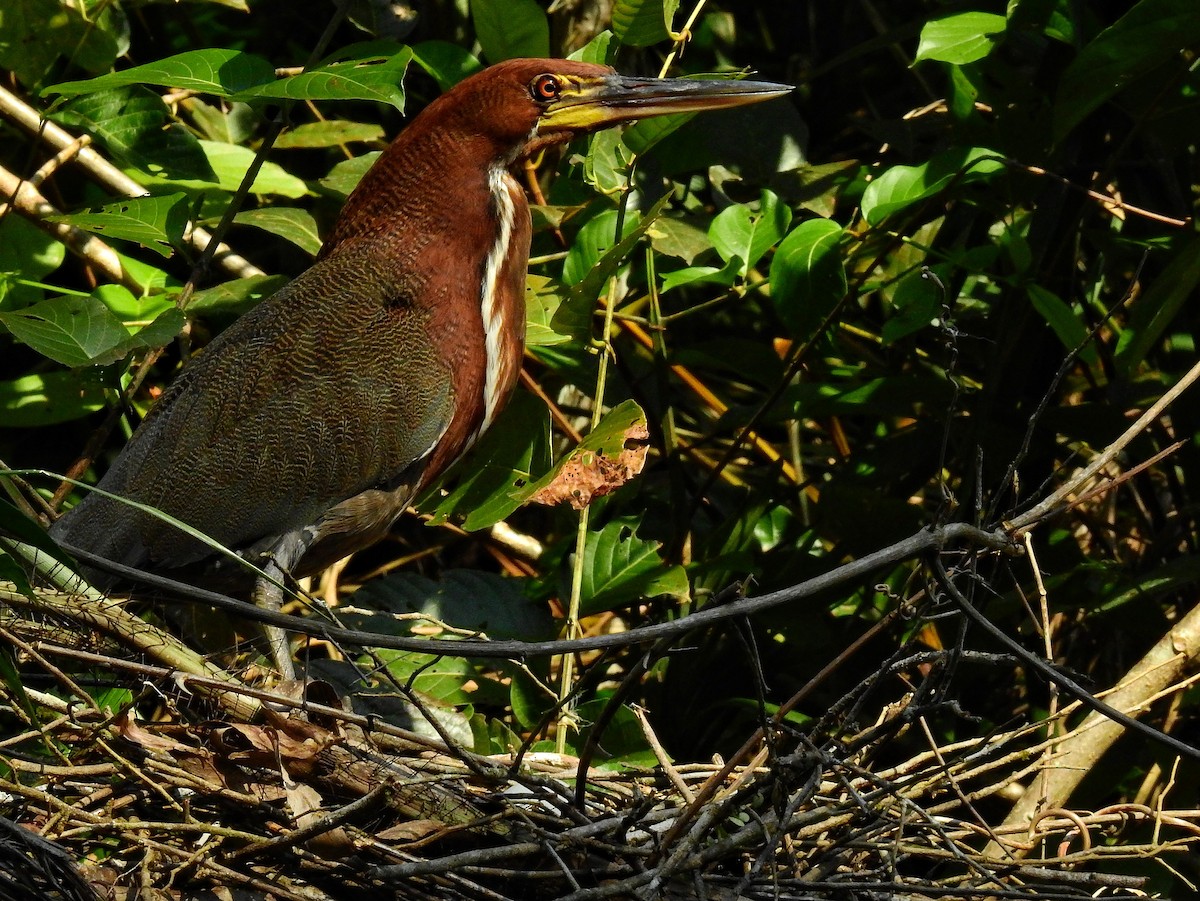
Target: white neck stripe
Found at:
493, 314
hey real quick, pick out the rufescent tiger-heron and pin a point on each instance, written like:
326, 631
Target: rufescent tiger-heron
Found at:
305, 428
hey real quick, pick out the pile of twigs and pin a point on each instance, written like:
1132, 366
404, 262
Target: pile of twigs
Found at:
192, 783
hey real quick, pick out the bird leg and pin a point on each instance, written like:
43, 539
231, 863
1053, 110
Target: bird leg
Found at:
279, 559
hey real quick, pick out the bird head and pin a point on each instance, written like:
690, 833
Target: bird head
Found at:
528, 104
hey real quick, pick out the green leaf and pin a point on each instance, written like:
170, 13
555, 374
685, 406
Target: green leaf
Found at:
574, 315
463, 598
726, 275
1152, 32
446, 63
137, 129
542, 298
1157, 307
600, 50
157, 223
507, 29
902, 186
35, 34
47, 398
344, 176
131, 308
738, 231
220, 72
917, 301
620, 568
606, 164
236, 296
373, 79
1069, 327
592, 242
27, 254
679, 238
74, 331
640, 23
960, 38
495, 478
291, 223
808, 278
230, 163
329, 133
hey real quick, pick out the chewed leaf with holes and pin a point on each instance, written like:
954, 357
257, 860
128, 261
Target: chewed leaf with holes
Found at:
157, 223
612, 454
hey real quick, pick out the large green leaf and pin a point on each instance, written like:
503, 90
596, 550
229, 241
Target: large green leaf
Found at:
507, 29
808, 278
574, 315
542, 299
960, 38
1152, 32
136, 128
446, 63
1155, 309
640, 23
344, 176
74, 331
620, 568
27, 255
157, 223
497, 476
902, 186
328, 133
46, 398
746, 234
371, 79
292, 223
83, 330
230, 163
215, 71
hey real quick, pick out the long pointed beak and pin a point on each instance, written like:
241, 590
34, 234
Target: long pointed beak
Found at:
614, 99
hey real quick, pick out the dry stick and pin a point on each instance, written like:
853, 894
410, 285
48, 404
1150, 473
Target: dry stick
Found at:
1056, 502
30, 203
110, 618
1048, 672
1078, 752
20, 112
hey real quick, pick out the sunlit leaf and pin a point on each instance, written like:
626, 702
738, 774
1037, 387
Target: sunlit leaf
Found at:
157, 223
808, 277
213, 71
960, 38
292, 223
507, 29
640, 23
902, 186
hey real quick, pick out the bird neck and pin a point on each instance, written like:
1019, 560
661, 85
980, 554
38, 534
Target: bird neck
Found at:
428, 181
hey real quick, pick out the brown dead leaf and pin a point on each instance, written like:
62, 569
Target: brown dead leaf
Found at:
290, 742
587, 474
304, 802
130, 730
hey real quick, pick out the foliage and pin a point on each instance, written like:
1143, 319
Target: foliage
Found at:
928, 286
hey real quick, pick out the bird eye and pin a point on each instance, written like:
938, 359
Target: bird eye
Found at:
545, 88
